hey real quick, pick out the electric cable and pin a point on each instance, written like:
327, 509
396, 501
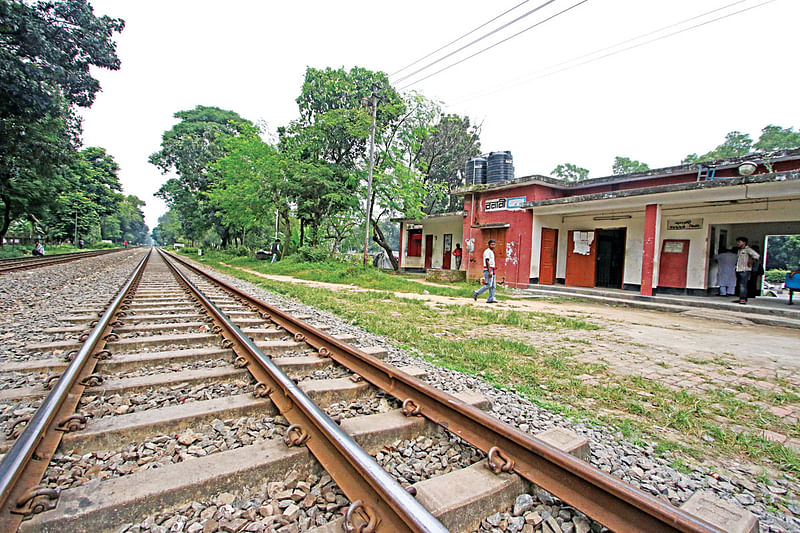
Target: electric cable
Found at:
544, 72
551, 17
506, 12
507, 24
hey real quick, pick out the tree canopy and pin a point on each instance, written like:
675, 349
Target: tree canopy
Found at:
625, 165
737, 144
570, 172
47, 49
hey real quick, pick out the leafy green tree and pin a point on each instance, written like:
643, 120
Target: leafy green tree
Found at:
783, 252
251, 184
46, 51
777, 138
169, 229
330, 138
570, 172
736, 144
190, 149
625, 165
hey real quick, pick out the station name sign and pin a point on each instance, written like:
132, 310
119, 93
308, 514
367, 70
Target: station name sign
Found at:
504, 204
684, 223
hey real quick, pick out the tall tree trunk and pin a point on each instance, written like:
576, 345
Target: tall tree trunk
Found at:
302, 232
288, 234
6, 217
377, 236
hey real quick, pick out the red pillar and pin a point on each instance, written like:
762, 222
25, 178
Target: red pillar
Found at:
651, 216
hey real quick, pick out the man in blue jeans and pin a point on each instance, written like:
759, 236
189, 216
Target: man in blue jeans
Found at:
744, 263
489, 274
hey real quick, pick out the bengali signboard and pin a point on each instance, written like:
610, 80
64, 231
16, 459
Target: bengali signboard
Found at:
684, 223
504, 204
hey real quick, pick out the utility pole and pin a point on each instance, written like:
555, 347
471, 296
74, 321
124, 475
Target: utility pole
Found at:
374, 104
75, 242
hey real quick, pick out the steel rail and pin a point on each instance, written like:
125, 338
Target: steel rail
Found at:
18, 459
26, 263
604, 498
364, 482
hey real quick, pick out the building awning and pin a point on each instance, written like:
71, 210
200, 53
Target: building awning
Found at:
496, 225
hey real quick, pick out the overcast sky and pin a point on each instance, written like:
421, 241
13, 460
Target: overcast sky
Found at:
655, 103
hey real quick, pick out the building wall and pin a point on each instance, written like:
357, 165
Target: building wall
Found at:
753, 220
515, 265
438, 228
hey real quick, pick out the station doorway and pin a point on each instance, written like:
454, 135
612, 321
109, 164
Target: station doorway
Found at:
610, 258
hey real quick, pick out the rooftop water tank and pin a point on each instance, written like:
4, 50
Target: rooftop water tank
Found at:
475, 171
500, 167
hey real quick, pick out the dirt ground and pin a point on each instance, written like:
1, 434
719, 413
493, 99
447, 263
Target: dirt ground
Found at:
696, 351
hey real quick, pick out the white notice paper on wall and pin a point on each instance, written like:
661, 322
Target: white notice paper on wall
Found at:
582, 242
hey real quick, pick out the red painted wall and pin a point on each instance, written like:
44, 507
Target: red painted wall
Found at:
649, 248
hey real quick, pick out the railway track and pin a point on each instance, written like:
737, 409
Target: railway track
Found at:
186, 390
26, 263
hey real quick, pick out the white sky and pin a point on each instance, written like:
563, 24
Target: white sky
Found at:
655, 103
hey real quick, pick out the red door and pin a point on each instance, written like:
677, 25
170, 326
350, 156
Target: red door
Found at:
428, 250
547, 261
580, 266
673, 262
447, 248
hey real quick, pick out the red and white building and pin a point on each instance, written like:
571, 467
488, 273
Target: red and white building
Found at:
648, 231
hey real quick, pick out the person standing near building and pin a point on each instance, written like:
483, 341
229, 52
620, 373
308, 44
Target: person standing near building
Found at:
489, 274
457, 253
744, 263
726, 272
275, 250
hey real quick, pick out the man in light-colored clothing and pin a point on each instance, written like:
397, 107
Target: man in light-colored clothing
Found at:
489, 274
744, 263
726, 273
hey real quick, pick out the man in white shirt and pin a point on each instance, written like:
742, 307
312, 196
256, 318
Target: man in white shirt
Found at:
744, 262
489, 274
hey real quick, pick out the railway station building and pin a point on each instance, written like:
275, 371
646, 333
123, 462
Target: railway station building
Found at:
651, 232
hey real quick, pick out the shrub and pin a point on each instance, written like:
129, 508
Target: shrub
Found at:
188, 251
103, 245
775, 275
239, 251
314, 254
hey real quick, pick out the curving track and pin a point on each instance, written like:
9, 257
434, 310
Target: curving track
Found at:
186, 388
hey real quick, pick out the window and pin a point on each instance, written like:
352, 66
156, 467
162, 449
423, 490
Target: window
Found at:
414, 243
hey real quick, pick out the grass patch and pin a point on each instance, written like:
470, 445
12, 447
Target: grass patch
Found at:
544, 369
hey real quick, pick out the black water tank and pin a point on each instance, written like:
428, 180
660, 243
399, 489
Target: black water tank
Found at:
500, 167
475, 171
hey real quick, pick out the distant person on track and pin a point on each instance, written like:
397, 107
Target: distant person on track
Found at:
457, 254
275, 250
744, 264
38, 249
489, 274
726, 273
81, 244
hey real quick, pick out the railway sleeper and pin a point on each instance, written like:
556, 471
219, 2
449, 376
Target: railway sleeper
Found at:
100, 506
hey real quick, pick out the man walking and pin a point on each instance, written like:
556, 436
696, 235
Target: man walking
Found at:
489, 274
744, 263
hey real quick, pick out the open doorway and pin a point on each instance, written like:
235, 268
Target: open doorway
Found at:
610, 258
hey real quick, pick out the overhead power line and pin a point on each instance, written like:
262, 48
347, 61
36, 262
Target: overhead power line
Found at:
543, 73
506, 12
484, 36
551, 17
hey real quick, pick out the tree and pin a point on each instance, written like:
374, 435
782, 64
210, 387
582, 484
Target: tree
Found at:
330, 140
46, 51
783, 252
190, 149
736, 144
624, 165
168, 229
570, 172
777, 138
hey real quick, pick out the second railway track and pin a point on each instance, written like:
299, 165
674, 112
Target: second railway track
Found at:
187, 412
